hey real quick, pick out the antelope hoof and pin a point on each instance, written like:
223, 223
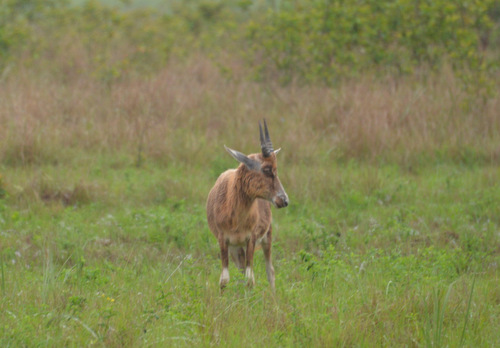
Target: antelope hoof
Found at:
224, 278
270, 275
271, 282
250, 277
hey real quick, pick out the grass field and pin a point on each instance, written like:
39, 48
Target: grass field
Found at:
392, 237
396, 259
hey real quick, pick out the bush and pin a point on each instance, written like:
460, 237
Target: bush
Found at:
325, 40
318, 41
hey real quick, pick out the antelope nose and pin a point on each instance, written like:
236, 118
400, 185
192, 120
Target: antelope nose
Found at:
285, 201
280, 201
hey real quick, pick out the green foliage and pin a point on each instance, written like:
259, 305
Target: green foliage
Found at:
318, 41
327, 40
18, 22
106, 40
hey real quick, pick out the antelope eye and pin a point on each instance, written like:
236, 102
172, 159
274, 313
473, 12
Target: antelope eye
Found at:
267, 171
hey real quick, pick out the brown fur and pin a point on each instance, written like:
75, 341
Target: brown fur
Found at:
239, 214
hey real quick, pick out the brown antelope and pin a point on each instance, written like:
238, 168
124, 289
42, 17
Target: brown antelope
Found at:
239, 209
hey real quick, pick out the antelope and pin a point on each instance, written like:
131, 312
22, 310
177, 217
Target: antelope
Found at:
239, 209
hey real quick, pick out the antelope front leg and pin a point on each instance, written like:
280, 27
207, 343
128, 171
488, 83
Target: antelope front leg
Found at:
224, 256
266, 247
249, 263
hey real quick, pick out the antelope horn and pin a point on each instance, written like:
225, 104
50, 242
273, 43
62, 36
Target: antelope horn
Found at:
265, 143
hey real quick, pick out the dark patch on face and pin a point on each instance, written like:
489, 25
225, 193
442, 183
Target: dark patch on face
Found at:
268, 171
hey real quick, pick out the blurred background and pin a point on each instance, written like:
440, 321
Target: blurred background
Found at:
399, 81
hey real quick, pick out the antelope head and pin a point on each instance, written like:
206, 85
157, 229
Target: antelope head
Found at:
260, 172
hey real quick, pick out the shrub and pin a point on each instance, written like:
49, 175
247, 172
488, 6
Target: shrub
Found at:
325, 40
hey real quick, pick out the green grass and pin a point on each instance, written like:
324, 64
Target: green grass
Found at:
115, 255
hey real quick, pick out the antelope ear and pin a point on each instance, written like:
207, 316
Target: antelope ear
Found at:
250, 163
276, 151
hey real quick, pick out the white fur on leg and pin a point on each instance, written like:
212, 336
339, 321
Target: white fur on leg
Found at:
224, 278
249, 276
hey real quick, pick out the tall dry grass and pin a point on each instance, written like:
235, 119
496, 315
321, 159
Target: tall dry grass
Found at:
187, 111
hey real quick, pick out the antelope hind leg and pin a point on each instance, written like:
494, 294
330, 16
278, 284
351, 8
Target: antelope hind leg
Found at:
224, 277
238, 256
249, 263
266, 247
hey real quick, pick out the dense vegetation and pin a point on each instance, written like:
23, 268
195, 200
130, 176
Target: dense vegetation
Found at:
113, 119
311, 40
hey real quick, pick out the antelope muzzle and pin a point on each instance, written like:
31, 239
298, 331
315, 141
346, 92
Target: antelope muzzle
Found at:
280, 200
